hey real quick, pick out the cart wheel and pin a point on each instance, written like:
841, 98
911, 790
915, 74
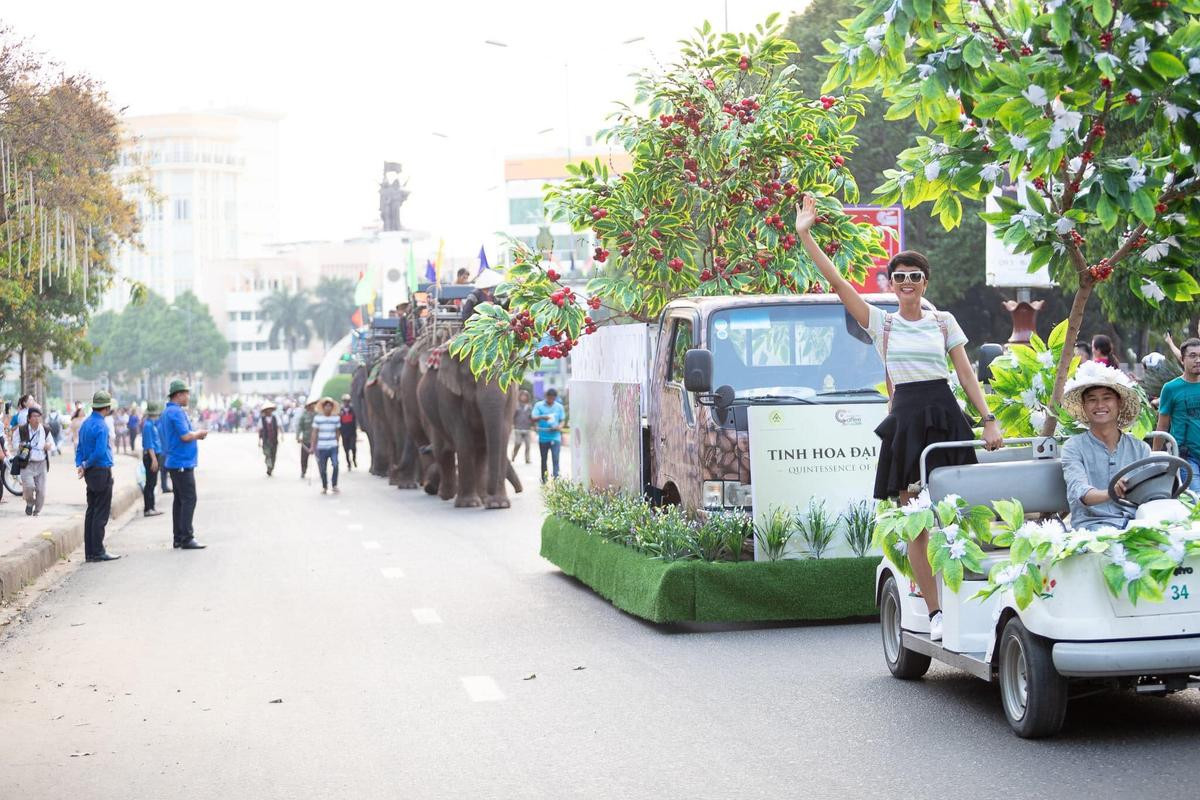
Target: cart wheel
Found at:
1033, 693
905, 664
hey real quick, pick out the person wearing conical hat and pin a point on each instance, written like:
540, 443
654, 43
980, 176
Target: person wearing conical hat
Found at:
1105, 400
268, 435
182, 458
152, 454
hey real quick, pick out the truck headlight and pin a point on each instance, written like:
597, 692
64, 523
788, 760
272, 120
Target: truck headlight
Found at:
712, 494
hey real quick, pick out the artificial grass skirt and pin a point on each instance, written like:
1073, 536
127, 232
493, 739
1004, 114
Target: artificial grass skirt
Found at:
700, 591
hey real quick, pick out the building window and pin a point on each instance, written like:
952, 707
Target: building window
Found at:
260, 345
259, 315
261, 376
233, 316
233, 376
233, 346
246, 315
247, 346
526, 211
301, 374
182, 208
247, 376
276, 376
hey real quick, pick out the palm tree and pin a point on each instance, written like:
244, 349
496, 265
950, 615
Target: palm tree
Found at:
333, 303
287, 313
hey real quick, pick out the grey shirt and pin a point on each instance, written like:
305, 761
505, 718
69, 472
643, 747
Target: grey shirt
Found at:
1089, 464
522, 417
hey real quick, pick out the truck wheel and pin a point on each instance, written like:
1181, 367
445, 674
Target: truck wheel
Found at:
905, 664
1033, 693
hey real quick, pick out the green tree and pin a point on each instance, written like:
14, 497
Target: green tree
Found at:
63, 219
333, 303
723, 151
1028, 91
287, 314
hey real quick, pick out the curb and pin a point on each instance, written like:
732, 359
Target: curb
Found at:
24, 565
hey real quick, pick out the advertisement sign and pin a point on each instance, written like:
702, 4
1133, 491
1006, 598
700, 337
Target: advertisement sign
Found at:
890, 222
813, 453
1002, 267
606, 435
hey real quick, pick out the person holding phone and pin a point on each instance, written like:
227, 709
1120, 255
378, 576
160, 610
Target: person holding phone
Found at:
549, 415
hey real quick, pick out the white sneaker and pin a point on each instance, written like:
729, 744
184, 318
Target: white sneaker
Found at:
935, 628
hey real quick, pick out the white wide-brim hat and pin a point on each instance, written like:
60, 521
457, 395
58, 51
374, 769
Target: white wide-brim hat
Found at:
1091, 374
489, 279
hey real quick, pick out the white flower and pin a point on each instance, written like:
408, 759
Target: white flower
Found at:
1052, 5
952, 498
958, 548
1131, 163
1026, 217
951, 532
1008, 575
1139, 52
1026, 531
1127, 24
925, 70
1152, 291
1194, 65
939, 149
1067, 120
991, 172
1046, 358
1019, 143
918, 504
1136, 92
1036, 95
1058, 137
1112, 60
850, 53
874, 37
1038, 383
932, 170
1157, 251
1177, 549
1064, 225
1132, 570
1116, 552
1160, 29
1037, 418
1136, 181
902, 547
1029, 398
890, 14
1177, 218
1174, 113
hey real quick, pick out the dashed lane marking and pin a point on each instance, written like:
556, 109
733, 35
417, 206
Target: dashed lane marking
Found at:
482, 689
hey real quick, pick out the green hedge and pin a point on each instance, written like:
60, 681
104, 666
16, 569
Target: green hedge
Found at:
337, 386
699, 591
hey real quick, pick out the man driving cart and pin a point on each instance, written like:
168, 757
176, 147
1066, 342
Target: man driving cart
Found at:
1106, 401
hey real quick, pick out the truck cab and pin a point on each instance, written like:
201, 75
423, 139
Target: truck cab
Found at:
760, 350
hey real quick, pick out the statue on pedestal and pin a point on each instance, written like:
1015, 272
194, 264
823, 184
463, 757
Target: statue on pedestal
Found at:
392, 195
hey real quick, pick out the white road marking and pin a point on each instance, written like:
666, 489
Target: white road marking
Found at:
391, 573
354, 526
482, 689
370, 545
427, 616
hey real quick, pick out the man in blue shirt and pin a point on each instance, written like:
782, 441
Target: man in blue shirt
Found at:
549, 414
151, 453
180, 444
1179, 409
93, 463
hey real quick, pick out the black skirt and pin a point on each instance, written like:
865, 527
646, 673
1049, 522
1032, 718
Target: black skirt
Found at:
923, 412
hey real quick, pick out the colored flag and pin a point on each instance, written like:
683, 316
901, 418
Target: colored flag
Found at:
439, 262
430, 270
356, 319
364, 290
413, 279
483, 264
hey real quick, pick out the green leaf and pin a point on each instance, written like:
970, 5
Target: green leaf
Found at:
1102, 11
1058, 336
1107, 212
973, 54
1166, 64
952, 574
1143, 206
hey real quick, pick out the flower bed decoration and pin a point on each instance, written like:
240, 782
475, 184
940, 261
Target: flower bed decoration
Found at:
662, 566
1141, 559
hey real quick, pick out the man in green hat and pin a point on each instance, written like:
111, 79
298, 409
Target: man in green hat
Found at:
93, 463
180, 444
151, 456
304, 434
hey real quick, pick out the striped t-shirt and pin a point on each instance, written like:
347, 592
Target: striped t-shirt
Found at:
916, 351
326, 428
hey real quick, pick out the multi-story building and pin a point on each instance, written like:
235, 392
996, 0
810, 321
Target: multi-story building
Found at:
210, 191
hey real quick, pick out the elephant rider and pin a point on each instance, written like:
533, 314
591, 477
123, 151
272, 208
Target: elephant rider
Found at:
484, 291
1106, 401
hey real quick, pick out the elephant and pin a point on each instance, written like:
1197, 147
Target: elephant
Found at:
470, 423
358, 399
380, 437
392, 366
417, 466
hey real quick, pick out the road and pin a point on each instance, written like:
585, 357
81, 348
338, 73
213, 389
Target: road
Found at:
420, 651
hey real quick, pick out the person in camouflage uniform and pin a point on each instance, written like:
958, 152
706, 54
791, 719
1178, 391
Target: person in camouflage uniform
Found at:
304, 433
268, 435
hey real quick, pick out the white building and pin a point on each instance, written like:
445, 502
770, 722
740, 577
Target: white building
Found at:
211, 193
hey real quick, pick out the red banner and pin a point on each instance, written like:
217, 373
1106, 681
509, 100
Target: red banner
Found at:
890, 222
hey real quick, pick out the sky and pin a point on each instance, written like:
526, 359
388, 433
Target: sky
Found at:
359, 83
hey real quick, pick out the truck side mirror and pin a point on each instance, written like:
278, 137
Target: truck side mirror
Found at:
987, 354
698, 371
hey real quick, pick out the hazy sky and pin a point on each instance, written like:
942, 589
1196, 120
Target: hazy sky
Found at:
362, 82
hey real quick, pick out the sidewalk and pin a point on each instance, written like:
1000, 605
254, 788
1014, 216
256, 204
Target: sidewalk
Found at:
31, 545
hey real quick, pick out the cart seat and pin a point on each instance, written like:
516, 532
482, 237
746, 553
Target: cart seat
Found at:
1037, 483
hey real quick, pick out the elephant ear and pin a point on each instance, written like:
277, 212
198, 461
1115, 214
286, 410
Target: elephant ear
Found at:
448, 372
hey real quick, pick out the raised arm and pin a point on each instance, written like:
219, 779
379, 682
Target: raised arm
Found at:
806, 217
992, 437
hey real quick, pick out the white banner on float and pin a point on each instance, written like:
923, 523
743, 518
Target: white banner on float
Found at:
803, 453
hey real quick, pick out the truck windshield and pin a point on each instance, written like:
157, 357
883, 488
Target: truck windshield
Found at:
803, 350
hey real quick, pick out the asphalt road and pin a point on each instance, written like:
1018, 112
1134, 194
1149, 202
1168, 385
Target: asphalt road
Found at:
421, 651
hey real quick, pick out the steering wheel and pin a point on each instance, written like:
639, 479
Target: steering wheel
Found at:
1167, 465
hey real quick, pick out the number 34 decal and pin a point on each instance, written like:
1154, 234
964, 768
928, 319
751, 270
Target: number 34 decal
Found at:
1179, 592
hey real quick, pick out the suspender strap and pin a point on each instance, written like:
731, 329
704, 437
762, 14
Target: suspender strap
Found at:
887, 335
